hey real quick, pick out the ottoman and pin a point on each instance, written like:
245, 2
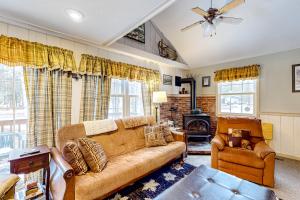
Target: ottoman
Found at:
205, 183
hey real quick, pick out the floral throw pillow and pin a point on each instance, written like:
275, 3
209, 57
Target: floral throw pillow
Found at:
154, 136
167, 133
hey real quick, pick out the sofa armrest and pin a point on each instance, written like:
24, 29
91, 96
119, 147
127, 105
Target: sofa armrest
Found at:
178, 135
262, 150
62, 178
219, 142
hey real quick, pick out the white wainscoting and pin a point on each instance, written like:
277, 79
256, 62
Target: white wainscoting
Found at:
286, 133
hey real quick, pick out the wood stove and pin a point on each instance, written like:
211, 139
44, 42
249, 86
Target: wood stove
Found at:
197, 125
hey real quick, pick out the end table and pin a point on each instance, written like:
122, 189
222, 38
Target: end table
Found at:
31, 163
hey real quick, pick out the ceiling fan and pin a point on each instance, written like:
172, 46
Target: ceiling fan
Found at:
213, 16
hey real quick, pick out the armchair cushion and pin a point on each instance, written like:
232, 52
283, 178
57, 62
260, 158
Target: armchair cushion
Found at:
219, 142
7, 181
261, 149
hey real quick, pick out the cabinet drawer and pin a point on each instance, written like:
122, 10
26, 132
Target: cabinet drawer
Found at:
31, 165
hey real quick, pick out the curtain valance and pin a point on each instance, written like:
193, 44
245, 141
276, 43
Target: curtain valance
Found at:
238, 73
93, 65
16, 52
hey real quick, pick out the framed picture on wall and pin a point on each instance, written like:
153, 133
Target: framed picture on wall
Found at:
137, 34
206, 81
296, 77
167, 79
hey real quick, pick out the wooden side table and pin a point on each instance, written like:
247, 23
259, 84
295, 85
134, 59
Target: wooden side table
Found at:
31, 163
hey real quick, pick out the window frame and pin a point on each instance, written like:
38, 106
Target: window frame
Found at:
126, 97
255, 102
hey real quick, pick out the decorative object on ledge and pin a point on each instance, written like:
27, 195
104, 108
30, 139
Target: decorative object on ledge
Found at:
206, 81
158, 98
137, 34
165, 51
183, 91
296, 78
167, 79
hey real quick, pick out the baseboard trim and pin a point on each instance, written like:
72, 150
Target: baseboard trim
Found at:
281, 155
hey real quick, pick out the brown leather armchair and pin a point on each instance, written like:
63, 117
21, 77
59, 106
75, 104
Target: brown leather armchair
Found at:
255, 165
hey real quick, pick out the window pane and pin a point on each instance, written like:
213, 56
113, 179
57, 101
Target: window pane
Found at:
13, 112
225, 104
235, 103
117, 86
247, 104
134, 88
115, 107
136, 106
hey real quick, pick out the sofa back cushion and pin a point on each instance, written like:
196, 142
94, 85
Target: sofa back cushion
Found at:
121, 141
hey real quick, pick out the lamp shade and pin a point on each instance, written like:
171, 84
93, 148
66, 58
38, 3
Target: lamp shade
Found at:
159, 97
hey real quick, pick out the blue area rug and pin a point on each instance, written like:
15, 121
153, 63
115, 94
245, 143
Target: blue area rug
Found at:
151, 186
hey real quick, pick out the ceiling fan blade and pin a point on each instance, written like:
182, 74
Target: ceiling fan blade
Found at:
199, 11
229, 20
192, 25
230, 5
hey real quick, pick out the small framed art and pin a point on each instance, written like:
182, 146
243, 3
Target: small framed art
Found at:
206, 81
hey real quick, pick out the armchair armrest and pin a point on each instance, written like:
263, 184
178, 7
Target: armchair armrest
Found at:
219, 142
262, 150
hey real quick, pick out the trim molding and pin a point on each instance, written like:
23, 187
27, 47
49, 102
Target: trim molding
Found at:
280, 155
280, 114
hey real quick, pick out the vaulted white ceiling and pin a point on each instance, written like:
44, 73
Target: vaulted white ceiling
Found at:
104, 21
269, 26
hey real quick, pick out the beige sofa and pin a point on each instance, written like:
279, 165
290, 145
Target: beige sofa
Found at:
129, 160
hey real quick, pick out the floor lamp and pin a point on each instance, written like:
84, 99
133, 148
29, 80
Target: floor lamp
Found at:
158, 98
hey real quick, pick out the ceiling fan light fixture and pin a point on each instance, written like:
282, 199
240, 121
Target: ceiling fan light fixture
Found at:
209, 29
75, 15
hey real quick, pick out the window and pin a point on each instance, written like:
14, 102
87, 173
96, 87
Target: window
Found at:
13, 111
237, 97
125, 99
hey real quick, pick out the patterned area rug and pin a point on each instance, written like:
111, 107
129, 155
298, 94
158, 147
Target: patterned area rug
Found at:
151, 186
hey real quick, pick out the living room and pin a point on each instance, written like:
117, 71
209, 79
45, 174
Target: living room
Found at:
195, 99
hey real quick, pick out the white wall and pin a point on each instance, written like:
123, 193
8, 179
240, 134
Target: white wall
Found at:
78, 49
275, 80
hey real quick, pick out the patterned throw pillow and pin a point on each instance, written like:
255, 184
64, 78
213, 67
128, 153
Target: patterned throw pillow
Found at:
239, 138
93, 154
234, 137
74, 157
167, 133
154, 136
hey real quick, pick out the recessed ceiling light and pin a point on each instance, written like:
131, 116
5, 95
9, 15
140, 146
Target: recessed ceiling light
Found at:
75, 15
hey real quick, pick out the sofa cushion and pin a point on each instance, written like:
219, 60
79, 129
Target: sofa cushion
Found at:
241, 156
129, 167
93, 154
131, 122
154, 136
74, 157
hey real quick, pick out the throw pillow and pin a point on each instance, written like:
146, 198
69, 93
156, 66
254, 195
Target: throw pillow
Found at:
167, 133
245, 144
154, 136
234, 137
74, 157
93, 154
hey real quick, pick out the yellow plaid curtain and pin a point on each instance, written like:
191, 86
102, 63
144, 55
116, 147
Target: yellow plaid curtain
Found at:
49, 95
147, 90
94, 97
238, 73
16, 52
93, 65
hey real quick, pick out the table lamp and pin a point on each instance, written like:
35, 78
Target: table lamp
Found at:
158, 98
